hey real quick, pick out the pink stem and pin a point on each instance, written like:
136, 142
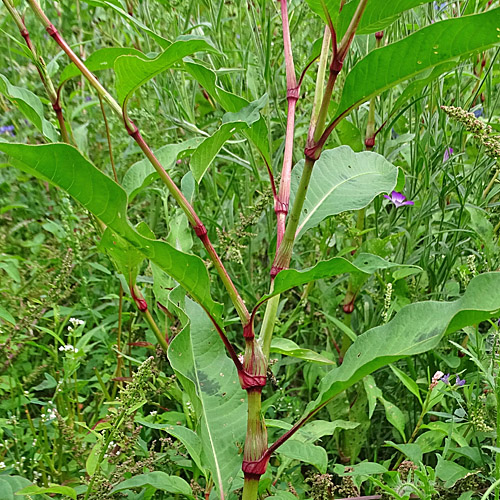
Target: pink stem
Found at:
292, 95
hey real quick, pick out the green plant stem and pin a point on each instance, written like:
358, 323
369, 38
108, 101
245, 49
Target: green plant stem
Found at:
266, 331
255, 443
284, 255
193, 218
250, 489
158, 334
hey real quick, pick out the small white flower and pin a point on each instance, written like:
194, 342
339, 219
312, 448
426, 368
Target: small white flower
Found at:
2, 465
153, 413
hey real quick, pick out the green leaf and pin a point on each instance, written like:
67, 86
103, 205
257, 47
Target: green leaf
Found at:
186, 436
325, 9
125, 257
450, 472
142, 174
362, 469
364, 264
231, 123
158, 480
378, 15
411, 450
162, 42
93, 459
395, 416
435, 44
289, 348
30, 106
209, 378
416, 328
38, 490
305, 452
99, 60
258, 132
9, 485
4, 314
66, 168
408, 382
342, 180
134, 71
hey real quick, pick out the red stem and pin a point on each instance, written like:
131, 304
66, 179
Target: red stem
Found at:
292, 95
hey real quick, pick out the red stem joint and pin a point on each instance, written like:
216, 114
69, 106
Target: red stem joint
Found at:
280, 207
200, 230
51, 30
293, 93
250, 382
312, 153
248, 332
256, 467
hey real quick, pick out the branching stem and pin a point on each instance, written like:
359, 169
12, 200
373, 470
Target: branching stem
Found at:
133, 131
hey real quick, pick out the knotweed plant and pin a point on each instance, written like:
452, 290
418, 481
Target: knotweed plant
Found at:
325, 182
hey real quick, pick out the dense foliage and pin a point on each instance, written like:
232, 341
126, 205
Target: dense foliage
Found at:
157, 329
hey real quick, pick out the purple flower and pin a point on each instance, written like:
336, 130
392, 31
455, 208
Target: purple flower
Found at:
478, 112
445, 379
398, 199
447, 154
88, 98
440, 6
7, 129
459, 382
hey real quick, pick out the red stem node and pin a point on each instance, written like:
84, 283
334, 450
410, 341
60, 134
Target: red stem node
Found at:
255, 469
251, 382
248, 332
200, 230
312, 152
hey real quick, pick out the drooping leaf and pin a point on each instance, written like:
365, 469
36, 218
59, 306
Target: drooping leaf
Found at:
289, 348
435, 44
132, 20
209, 378
92, 461
30, 106
342, 180
66, 491
100, 59
378, 14
395, 416
407, 381
258, 132
134, 71
66, 168
158, 480
141, 174
416, 328
231, 123
364, 264
4, 314
305, 452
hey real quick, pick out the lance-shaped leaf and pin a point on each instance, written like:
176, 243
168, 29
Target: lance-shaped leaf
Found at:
231, 123
65, 167
134, 71
416, 328
258, 132
288, 347
435, 44
378, 14
342, 180
99, 60
209, 377
158, 480
30, 106
364, 264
